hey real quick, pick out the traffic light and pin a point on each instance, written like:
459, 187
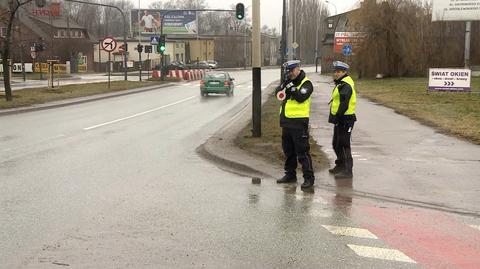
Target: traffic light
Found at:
139, 48
161, 45
123, 48
240, 11
148, 48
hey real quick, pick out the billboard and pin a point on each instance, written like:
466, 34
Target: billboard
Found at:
350, 39
148, 21
445, 79
456, 10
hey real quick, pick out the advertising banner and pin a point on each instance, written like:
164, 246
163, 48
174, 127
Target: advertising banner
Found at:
456, 10
353, 40
148, 21
445, 79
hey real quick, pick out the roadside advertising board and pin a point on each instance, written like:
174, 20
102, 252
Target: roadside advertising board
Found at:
353, 40
148, 21
447, 79
456, 10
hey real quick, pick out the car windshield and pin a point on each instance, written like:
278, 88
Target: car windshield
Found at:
217, 76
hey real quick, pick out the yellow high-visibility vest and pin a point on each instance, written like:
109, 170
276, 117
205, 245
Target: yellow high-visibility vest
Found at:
336, 98
294, 109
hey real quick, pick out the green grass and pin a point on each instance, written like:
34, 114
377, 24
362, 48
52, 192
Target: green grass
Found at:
269, 145
28, 97
452, 113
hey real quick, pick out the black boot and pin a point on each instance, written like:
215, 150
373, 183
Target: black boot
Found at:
344, 174
337, 169
287, 179
308, 183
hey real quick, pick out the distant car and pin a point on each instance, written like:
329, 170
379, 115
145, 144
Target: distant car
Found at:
217, 82
172, 66
212, 64
198, 65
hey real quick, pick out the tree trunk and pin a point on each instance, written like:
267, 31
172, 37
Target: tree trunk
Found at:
6, 56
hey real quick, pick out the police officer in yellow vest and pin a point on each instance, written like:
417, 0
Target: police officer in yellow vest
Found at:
342, 115
294, 117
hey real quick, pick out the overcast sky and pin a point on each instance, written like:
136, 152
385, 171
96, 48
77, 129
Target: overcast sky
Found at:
271, 10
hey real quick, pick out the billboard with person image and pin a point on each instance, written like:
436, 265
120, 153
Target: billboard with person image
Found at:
148, 21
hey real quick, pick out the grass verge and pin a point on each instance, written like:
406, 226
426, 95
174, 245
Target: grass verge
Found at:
28, 97
452, 113
269, 146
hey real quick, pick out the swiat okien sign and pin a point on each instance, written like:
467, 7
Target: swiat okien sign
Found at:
444, 79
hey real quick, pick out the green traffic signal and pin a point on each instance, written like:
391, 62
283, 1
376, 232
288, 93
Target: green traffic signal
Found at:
240, 11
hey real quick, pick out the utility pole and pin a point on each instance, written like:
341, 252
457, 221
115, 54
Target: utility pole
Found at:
256, 71
290, 31
468, 30
283, 43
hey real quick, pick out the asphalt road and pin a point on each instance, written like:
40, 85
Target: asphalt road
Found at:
118, 184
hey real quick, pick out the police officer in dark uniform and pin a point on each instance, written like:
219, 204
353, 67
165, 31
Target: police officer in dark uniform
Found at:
295, 93
342, 115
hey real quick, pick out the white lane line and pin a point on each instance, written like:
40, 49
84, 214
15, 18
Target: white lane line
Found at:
187, 84
138, 114
380, 253
475, 227
348, 231
362, 159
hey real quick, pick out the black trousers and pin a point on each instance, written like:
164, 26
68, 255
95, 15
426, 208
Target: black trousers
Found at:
296, 147
341, 145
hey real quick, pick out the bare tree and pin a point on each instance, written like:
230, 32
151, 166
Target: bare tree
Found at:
8, 17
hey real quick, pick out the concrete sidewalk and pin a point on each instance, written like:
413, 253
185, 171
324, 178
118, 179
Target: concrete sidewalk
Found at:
395, 158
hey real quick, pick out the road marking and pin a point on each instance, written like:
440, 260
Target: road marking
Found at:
138, 114
348, 231
475, 227
187, 84
380, 253
362, 159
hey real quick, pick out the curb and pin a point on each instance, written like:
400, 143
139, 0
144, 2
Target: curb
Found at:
220, 148
80, 100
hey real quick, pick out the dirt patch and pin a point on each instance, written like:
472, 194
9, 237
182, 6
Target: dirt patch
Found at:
269, 146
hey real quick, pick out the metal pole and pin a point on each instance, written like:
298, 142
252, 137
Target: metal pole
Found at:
468, 30
290, 31
148, 66
256, 71
245, 50
22, 49
283, 44
316, 50
109, 65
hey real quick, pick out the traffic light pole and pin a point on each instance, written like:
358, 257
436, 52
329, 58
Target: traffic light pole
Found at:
124, 30
256, 71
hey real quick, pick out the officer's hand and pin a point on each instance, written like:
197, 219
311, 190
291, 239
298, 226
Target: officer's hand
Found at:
293, 89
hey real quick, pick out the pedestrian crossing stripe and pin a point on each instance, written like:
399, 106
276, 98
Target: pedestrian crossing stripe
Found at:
475, 227
348, 231
380, 253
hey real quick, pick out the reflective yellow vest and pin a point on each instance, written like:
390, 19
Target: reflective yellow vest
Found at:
336, 98
294, 109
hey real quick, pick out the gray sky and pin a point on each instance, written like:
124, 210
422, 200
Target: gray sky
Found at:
271, 10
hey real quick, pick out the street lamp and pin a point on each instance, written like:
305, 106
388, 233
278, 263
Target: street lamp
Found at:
328, 2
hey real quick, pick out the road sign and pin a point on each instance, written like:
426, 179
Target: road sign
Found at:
447, 79
33, 54
294, 45
347, 49
109, 44
154, 40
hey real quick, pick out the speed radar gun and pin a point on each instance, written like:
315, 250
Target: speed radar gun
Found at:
281, 90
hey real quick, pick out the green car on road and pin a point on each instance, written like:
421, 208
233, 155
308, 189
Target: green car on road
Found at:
217, 82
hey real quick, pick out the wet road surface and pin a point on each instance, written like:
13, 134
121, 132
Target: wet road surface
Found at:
117, 184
